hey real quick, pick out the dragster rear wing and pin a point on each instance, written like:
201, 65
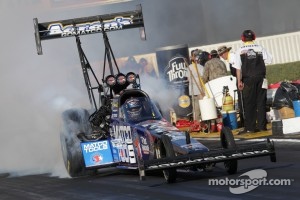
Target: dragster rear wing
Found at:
88, 25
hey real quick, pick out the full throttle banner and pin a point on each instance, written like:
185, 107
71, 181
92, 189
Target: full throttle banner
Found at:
171, 62
176, 72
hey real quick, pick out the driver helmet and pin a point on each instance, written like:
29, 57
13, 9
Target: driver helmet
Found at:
133, 108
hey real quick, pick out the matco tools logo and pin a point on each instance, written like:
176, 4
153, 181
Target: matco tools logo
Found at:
95, 146
249, 181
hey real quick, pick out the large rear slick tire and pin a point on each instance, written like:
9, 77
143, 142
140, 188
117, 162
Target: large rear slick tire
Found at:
165, 149
227, 142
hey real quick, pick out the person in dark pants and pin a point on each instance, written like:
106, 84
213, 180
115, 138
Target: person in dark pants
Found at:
251, 76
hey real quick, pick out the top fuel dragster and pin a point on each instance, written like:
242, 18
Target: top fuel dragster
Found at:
125, 128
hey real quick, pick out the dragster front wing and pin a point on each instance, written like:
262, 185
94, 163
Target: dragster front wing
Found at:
88, 25
213, 156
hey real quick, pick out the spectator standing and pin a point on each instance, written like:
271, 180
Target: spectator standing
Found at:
131, 65
204, 56
214, 68
230, 58
146, 69
214, 54
251, 60
194, 74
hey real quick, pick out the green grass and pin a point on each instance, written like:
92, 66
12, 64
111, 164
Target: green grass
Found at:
283, 72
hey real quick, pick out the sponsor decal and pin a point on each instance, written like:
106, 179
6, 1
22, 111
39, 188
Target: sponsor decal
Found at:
115, 104
195, 146
144, 145
251, 54
136, 143
126, 153
123, 142
95, 146
146, 149
97, 153
184, 101
159, 127
177, 70
97, 158
116, 143
88, 27
176, 135
122, 132
213, 158
143, 140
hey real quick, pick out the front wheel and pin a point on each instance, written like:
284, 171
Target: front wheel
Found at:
227, 142
72, 156
165, 149
74, 121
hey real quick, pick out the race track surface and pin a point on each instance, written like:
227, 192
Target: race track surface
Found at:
122, 184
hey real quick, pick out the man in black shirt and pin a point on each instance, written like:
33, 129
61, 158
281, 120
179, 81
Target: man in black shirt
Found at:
251, 76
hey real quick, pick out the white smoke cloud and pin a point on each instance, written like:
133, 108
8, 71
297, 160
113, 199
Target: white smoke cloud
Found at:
160, 92
34, 92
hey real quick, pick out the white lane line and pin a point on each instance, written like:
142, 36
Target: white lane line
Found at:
276, 140
255, 140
